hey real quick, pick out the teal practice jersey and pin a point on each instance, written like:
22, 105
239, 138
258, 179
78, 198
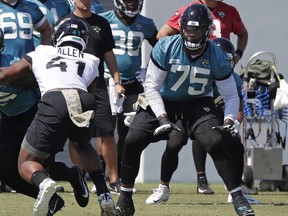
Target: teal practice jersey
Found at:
13, 100
187, 77
128, 42
49, 16
17, 23
58, 8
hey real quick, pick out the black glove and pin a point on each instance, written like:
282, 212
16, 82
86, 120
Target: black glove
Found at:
228, 132
165, 126
226, 129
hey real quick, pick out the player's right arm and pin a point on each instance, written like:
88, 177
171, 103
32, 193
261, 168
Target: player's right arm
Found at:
17, 70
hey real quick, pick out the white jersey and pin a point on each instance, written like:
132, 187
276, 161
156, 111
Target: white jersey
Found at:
62, 67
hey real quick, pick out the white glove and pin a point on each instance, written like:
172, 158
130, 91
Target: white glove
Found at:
165, 127
140, 75
236, 125
129, 118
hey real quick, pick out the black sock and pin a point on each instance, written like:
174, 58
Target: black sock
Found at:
103, 164
37, 177
236, 194
127, 194
98, 179
201, 177
59, 171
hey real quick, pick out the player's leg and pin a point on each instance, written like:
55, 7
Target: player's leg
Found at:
139, 136
169, 164
199, 156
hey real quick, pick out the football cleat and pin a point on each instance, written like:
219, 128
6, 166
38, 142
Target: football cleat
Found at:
115, 187
106, 204
47, 189
55, 204
242, 207
249, 191
124, 207
203, 187
93, 190
250, 200
80, 188
160, 194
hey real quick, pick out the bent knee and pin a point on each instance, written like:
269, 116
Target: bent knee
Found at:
211, 141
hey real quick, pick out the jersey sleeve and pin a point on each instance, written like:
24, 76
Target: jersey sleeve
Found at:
158, 54
38, 17
149, 28
221, 67
239, 84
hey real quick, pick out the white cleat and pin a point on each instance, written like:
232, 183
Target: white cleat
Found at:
160, 194
47, 189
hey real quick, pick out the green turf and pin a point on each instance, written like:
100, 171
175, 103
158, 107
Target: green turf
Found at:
183, 201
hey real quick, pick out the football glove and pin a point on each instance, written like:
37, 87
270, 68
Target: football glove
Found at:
226, 129
165, 127
141, 74
229, 133
129, 118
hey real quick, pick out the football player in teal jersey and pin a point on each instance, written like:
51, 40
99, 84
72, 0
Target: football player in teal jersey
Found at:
129, 29
58, 8
179, 92
53, 10
49, 16
18, 18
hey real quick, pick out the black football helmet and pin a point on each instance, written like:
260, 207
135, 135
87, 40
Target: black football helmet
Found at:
1, 40
195, 26
227, 47
124, 6
71, 31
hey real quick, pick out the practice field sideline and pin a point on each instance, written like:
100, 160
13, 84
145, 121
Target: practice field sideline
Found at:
183, 201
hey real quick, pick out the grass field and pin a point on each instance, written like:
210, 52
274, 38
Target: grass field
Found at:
183, 201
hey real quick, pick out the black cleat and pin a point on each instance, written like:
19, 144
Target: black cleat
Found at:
55, 204
203, 187
115, 187
125, 207
80, 189
242, 207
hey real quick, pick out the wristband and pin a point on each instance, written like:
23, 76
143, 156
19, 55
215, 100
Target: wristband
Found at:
239, 52
117, 83
162, 116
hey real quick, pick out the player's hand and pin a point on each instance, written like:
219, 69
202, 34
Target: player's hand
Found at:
227, 130
129, 118
165, 127
141, 74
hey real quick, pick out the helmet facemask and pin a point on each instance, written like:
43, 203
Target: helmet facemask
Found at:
125, 5
195, 26
194, 35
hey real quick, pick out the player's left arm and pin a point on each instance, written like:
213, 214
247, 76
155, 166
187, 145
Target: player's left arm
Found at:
228, 90
46, 31
242, 40
18, 70
153, 40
